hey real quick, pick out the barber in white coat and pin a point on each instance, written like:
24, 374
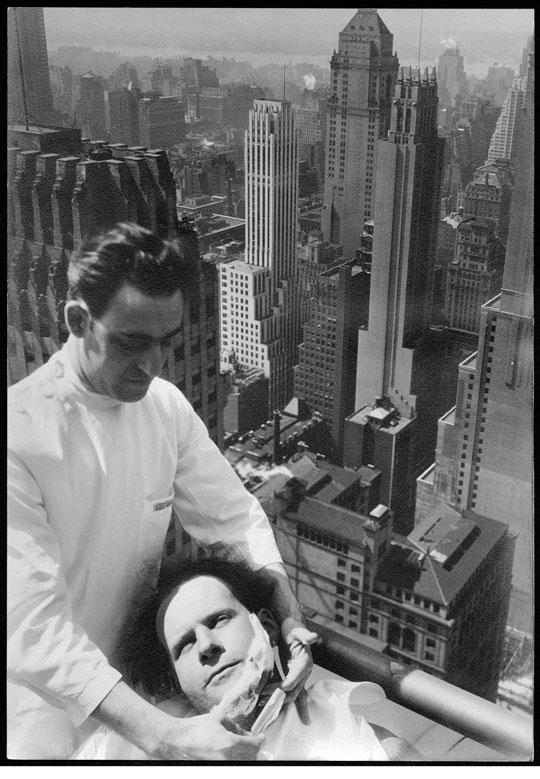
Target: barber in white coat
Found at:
100, 451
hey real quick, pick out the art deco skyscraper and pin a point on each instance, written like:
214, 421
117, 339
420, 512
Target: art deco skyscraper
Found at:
396, 366
29, 86
363, 76
405, 214
259, 313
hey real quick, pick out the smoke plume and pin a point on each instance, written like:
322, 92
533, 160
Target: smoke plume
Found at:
309, 81
449, 43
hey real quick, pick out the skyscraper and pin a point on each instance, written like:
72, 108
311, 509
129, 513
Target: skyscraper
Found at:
258, 302
498, 81
395, 359
489, 193
29, 87
91, 108
475, 273
363, 76
451, 77
484, 452
503, 136
325, 374
406, 210
161, 122
124, 116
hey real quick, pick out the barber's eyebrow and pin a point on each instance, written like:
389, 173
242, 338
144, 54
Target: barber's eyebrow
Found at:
146, 337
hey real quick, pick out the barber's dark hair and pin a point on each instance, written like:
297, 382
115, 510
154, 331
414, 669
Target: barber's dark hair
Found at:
142, 658
129, 253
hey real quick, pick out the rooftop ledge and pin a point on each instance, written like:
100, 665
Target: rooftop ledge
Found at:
443, 722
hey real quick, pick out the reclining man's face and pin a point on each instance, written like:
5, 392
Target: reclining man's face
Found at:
208, 633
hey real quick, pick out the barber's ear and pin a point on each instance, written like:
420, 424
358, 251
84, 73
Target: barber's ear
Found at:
267, 620
77, 317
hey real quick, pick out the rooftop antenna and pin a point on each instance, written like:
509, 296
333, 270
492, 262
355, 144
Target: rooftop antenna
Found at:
25, 104
420, 36
284, 66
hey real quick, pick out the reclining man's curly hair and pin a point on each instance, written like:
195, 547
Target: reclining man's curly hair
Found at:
142, 658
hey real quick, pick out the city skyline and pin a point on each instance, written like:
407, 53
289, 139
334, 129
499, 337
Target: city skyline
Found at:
262, 36
320, 336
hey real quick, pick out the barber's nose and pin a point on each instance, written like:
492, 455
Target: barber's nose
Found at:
209, 648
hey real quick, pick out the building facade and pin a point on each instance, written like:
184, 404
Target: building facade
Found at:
363, 77
259, 311
435, 600
503, 136
377, 435
489, 193
123, 116
484, 451
404, 240
451, 78
30, 98
475, 273
161, 122
326, 371
91, 107
398, 356
54, 200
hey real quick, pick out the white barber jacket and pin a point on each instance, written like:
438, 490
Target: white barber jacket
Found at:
91, 485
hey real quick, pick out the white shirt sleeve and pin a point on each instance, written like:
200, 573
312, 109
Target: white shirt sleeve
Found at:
47, 651
211, 502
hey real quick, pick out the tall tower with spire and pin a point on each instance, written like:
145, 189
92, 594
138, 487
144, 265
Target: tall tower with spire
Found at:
363, 76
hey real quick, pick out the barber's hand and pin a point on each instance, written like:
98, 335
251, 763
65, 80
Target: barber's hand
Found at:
298, 640
205, 738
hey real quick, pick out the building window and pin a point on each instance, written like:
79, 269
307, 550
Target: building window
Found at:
339, 618
394, 634
373, 617
409, 640
339, 604
429, 656
374, 633
353, 624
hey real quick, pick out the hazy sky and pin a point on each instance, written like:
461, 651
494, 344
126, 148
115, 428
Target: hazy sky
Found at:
277, 34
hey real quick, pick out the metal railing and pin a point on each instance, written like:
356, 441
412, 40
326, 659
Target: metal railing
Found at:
444, 703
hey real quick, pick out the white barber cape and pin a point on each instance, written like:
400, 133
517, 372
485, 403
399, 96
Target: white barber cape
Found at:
91, 485
335, 733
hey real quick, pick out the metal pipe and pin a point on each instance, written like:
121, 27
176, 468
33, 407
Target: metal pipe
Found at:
460, 710
468, 714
